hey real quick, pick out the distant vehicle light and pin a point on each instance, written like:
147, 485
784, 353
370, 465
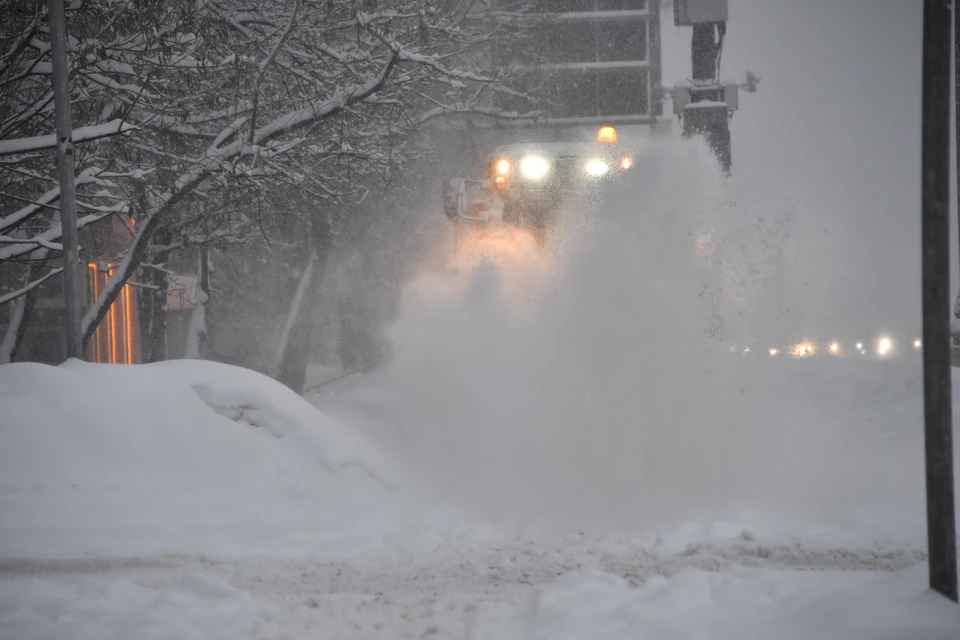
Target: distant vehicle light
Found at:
803, 349
917, 343
607, 134
834, 348
534, 167
503, 166
500, 182
774, 352
626, 162
860, 346
597, 168
884, 345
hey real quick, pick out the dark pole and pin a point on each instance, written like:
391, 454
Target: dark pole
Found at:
956, 120
65, 169
935, 232
712, 123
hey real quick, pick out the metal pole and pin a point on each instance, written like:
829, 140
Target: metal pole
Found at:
935, 232
956, 120
65, 168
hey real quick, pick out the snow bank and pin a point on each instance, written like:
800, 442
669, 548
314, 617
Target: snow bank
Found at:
740, 604
172, 445
186, 605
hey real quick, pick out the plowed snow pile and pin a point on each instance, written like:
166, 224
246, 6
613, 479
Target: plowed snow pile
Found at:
728, 606
168, 447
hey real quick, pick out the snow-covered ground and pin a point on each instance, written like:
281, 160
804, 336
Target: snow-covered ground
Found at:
205, 501
560, 447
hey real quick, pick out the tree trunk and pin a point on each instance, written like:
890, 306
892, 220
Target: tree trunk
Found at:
206, 340
13, 337
293, 354
153, 304
19, 320
290, 363
153, 314
197, 332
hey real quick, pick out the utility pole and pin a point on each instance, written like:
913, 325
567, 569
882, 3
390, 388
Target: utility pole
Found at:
935, 234
705, 104
65, 168
955, 350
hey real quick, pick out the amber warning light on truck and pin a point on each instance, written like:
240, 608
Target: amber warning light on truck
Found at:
607, 134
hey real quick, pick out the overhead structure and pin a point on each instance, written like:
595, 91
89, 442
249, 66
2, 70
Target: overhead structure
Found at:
594, 61
597, 62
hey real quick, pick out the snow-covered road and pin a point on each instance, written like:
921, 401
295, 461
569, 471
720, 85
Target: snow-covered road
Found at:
456, 590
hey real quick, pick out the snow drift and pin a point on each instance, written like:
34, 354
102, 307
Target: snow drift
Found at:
173, 445
737, 604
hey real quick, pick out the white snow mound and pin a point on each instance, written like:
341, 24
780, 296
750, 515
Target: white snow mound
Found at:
740, 604
179, 443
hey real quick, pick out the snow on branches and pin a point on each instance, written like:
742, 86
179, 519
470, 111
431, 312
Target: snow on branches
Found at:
188, 115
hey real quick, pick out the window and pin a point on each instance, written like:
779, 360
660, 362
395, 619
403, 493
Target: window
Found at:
575, 92
571, 41
587, 40
621, 40
599, 92
622, 91
599, 63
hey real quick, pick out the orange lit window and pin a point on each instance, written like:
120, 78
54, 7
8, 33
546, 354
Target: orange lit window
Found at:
116, 340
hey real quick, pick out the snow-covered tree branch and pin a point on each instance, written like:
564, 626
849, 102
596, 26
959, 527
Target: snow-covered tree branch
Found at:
189, 117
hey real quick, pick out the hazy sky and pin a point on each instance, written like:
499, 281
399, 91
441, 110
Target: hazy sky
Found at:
833, 131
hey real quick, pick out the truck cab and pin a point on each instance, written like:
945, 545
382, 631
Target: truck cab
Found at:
528, 182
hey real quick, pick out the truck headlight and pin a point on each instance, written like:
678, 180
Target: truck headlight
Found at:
534, 167
597, 168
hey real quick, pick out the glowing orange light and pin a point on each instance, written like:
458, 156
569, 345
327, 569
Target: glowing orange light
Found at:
607, 134
114, 340
500, 182
774, 351
95, 290
626, 162
127, 315
834, 348
802, 349
503, 166
112, 325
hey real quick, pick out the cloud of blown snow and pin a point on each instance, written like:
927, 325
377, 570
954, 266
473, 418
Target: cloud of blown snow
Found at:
597, 384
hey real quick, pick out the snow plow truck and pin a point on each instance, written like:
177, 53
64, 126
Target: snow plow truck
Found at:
599, 70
